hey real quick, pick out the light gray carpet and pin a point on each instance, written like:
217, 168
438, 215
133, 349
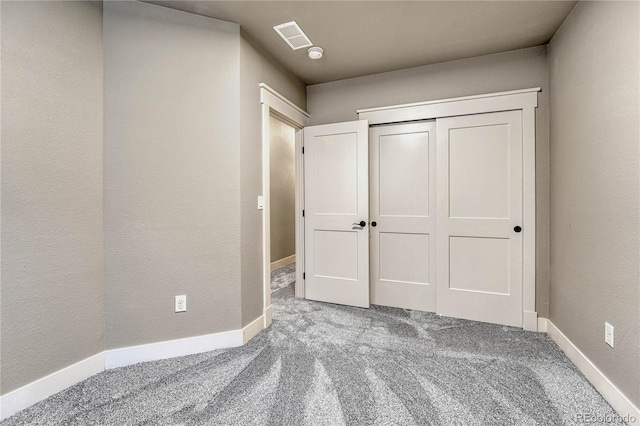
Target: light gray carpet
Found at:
321, 364
283, 277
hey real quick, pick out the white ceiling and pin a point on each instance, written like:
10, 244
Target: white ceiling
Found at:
368, 37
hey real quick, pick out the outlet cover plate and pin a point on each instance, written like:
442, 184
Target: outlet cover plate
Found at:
181, 303
608, 334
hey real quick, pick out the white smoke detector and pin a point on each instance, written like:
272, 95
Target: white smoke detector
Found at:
293, 35
315, 52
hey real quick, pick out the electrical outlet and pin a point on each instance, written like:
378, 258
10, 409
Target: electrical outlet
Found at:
181, 303
608, 334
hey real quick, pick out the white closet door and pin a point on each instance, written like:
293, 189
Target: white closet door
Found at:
336, 164
479, 245
403, 196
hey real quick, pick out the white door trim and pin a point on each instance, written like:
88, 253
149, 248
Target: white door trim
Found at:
529, 314
476, 104
525, 100
276, 104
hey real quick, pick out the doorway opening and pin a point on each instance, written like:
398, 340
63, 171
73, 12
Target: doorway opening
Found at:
284, 112
282, 191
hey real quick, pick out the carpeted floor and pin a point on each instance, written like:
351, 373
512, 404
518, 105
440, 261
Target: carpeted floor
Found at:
321, 364
283, 277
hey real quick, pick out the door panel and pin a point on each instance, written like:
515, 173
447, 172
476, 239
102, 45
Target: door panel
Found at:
404, 258
479, 269
402, 201
404, 179
479, 171
479, 264
336, 197
335, 166
336, 254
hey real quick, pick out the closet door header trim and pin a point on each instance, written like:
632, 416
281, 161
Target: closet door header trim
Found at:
477, 104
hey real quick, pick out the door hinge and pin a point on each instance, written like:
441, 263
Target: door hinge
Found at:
304, 276
303, 213
303, 149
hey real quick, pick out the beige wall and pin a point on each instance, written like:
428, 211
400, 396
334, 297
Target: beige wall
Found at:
338, 101
256, 66
52, 290
283, 189
595, 221
172, 174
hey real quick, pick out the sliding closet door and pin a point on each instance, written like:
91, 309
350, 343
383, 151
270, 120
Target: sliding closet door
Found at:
402, 204
336, 167
479, 272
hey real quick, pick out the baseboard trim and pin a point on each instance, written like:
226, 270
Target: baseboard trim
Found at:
43, 388
172, 348
282, 262
252, 329
623, 406
268, 315
542, 325
34, 392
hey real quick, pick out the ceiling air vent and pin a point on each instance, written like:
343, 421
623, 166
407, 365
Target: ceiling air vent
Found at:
293, 35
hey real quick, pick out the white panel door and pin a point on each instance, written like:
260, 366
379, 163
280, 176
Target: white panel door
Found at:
479, 244
336, 202
403, 197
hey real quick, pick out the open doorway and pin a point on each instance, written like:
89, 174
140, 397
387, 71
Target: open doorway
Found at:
275, 106
282, 191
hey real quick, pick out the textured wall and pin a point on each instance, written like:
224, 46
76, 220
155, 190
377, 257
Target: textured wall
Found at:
52, 246
256, 66
338, 101
283, 189
172, 173
595, 221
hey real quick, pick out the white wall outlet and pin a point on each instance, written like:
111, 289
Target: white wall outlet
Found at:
260, 202
181, 303
608, 334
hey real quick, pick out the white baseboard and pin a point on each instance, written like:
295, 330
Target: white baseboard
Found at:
623, 406
253, 328
43, 388
172, 348
282, 262
268, 312
542, 325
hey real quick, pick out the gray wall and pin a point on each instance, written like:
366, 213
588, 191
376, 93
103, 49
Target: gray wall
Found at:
52, 246
256, 66
172, 173
595, 165
338, 101
283, 189
179, 189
